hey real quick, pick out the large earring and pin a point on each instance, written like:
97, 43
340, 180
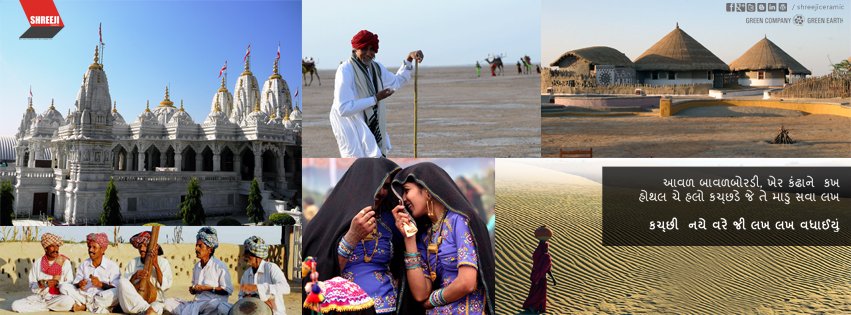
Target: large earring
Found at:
430, 210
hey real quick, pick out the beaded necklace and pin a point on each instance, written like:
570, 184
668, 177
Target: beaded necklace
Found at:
433, 248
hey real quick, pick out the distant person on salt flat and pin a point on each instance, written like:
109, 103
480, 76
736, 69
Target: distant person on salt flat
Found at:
358, 118
478, 69
46, 275
542, 264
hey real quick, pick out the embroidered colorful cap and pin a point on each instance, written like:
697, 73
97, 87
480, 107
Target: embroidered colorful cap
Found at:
342, 295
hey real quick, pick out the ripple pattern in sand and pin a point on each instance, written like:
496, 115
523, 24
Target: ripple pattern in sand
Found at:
660, 280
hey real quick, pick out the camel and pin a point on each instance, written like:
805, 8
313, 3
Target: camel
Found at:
309, 66
496, 64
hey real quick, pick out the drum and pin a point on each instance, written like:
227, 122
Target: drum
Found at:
250, 306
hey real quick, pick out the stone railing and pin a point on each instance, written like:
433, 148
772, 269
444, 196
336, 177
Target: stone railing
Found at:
119, 176
6, 174
28, 172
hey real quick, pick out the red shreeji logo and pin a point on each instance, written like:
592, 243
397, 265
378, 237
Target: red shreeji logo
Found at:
43, 17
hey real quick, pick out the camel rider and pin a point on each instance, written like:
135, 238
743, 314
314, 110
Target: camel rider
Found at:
358, 117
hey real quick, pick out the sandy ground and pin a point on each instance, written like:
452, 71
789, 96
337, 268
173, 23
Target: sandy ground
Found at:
292, 301
596, 279
459, 115
717, 131
15, 260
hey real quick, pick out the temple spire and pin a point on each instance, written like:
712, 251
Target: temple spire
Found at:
114, 106
166, 101
223, 88
216, 108
148, 106
95, 64
256, 104
51, 104
247, 61
181, 105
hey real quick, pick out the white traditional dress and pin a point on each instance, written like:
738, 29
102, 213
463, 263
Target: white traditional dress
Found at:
353, 108
270, 282
42, 300
129, 298
95, 299
215, 274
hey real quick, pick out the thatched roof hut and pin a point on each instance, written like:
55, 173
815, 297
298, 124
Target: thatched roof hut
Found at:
600, 65
678, 51
600, 55
765, 55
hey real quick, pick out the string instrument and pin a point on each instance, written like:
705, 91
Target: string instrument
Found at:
145, 287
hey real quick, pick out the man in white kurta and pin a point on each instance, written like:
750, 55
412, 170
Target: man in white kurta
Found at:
263, 279
94, 285
211, 283
161, 277
358, 118
46, 275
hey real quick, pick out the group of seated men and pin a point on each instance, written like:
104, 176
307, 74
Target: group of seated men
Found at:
98, 286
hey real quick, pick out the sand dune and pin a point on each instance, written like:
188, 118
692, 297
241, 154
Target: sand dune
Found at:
593, 279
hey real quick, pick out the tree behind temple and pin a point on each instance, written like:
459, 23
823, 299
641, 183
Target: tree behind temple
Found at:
7, 203
111, 214
191, 209
255, 207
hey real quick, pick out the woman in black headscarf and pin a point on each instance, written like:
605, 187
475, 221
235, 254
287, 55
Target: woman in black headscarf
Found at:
353, 233
449, 261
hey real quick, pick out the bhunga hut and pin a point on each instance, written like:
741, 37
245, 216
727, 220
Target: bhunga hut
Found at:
607, 65
765, 64
678, 58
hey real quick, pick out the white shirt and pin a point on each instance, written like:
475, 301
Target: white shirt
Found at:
354, 138
136, 264
108, 272
214, 274
270, 282
37, 274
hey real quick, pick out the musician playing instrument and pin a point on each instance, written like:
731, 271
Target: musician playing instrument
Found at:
263, 279
160, 276
211, 283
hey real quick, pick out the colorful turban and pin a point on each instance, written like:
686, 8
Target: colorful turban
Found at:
365, 39
207, 235
256, 246
99, 238
50, 239
140, 239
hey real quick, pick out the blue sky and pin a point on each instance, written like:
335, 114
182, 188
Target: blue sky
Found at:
226, 234
148, 45
448, 32
633, 26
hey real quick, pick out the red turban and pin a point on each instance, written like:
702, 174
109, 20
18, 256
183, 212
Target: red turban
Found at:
140, 239
365, 39
99, 238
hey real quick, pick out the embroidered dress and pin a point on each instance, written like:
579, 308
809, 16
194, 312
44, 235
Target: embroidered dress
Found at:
456, 249
374, 275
